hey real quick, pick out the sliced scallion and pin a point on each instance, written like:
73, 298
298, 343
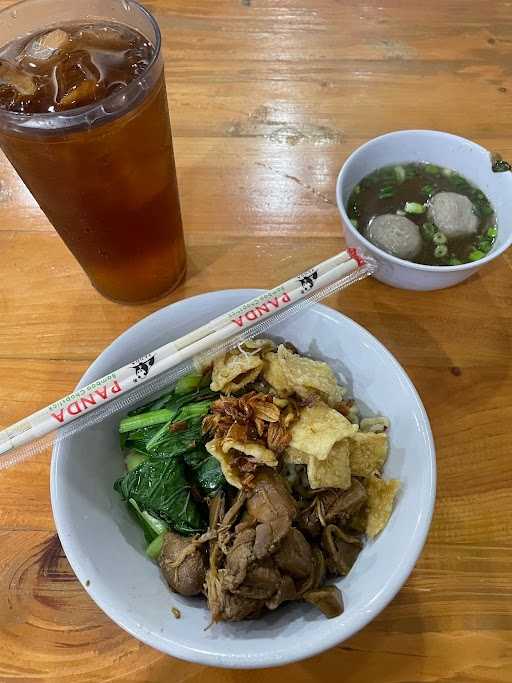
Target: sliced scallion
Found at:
476, 254
428, 230
439, 238
432, 169
414, 207
440, 251
485, 246
492, 232
400, 173
386, 192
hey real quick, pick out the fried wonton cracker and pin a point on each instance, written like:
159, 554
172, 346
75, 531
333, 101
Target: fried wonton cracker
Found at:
305, 376
318, 428
368, 453
334, 471
295, 457
255, 451
274, 375
381, 496
235, 369
231, 474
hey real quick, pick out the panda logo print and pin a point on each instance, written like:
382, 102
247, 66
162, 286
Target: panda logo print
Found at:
142, 367
307, 280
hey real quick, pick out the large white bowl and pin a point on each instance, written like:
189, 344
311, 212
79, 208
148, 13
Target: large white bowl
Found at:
106, 548
444, 149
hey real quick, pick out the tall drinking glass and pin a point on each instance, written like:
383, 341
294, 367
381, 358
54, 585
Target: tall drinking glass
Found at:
103, 172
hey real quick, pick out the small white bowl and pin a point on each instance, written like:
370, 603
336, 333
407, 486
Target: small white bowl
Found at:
443, 149
106, 548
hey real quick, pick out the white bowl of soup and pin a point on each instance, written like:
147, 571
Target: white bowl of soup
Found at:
432, 208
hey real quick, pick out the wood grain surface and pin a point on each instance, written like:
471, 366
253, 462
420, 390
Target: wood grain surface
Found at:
267, 98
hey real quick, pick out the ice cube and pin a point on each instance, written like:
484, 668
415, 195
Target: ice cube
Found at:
44, 47
22, 83
78, 95
77, 77
103, 37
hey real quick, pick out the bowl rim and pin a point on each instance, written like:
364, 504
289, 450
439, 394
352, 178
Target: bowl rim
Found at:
314, 645
389, 257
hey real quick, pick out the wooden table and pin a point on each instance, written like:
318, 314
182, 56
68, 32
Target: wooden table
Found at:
268, 97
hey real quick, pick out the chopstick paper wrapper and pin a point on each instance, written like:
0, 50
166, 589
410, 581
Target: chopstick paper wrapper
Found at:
125, 387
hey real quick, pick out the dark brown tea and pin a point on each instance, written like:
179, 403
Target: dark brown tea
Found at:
86, 125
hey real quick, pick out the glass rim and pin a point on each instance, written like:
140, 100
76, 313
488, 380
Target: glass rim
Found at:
18, 117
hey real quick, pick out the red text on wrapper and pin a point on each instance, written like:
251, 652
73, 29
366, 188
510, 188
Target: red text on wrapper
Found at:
261, 310
85, 402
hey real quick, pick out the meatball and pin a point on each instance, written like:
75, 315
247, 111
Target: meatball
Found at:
397, 235
453, 214
183, 564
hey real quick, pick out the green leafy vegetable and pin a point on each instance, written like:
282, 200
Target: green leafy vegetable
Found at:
133, 459
205, 470
151, 526
160, 488
155, 547
154, 417
187, 384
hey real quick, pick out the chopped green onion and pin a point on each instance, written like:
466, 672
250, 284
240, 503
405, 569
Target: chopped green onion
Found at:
440, 251
486, 209
439, 238
400, 173
354, 222
155, 547
414, 207
357, 189
476, 254
428, 230
134, 459
492, 232
485, 246
427, 190
455, 261
152, 417
187, 384
448, 172
432, 168
386, 192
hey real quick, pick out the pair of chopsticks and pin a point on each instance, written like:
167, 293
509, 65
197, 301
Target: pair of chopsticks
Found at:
210, 338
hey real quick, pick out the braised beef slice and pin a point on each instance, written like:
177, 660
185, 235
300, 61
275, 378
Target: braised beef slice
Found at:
261, 581
183, 564
294, 556
317, 576
237, 607
270, 498
341, 550
284, 593
269, 535
238, 559
246, 522
328, 599
334, 505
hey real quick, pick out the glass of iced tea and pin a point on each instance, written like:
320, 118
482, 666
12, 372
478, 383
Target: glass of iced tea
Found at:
84, 121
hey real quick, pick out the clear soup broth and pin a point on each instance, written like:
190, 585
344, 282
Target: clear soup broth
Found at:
423, 213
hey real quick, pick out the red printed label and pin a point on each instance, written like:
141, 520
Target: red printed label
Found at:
263, 309
85, 402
